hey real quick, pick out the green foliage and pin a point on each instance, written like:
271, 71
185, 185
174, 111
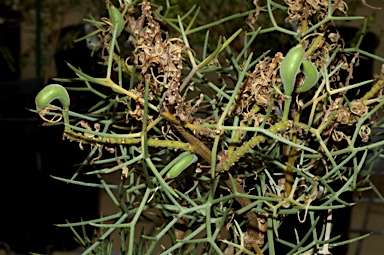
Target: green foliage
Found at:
263, 152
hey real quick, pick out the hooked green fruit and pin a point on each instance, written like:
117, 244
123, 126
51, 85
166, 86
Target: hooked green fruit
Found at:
290, 67
181, 165
50, 93
116, 18
311, 76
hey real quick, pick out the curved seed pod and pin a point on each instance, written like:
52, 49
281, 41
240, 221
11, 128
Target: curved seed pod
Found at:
116, 18
181, 165
311, 76
289, 68
50, 93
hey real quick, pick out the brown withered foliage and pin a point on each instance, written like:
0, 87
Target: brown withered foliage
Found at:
259, 85
159, 60
312, 11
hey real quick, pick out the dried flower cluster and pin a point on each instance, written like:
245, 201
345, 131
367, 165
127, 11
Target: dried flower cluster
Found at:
312, 11
159, 60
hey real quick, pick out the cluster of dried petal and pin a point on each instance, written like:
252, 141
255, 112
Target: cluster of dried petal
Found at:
364, 133
321, 56
259, 86
138, 112
303, 10
359, 108
344, 115
159, 60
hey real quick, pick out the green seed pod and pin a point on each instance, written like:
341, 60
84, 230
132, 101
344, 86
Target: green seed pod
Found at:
116, 18
50, 93
181, 165
311, 76
289, 68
